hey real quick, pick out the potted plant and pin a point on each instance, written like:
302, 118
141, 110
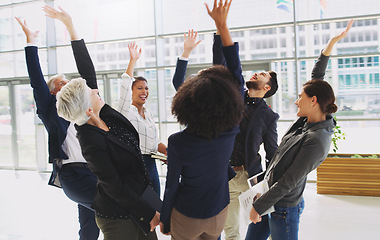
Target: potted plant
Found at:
348, 174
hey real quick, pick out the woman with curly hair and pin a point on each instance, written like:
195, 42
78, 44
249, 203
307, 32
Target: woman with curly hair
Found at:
210, 105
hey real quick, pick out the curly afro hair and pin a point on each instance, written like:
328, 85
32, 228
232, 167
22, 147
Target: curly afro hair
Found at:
209, 102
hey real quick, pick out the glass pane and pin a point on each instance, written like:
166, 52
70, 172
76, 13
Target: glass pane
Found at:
242, 13
65, 60
173, 48
108, 19
25, 113
11, 35
13, 64
286, 95
115, 91
169, 93
109, 56
310, 10
355, 130
5, 128
5, 2
7, 65
266, 43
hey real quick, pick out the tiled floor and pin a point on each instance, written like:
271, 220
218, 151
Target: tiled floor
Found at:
32, 210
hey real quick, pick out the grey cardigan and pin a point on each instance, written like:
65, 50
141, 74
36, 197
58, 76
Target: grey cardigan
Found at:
303, 148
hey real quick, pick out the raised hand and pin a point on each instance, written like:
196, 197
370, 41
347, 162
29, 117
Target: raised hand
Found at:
30, 36
64, 17
190, 42
344, 33
219, 12
329, 47
134, 51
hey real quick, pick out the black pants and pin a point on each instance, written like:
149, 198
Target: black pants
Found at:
122, 229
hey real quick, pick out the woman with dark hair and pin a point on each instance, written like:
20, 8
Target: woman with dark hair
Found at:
133, 94
210, 105
302, 149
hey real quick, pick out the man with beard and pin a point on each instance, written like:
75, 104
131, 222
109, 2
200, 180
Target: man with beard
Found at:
258, 126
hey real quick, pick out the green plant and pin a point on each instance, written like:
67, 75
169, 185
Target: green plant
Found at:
338, 134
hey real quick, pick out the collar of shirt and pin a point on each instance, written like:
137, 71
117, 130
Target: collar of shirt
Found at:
252, 100
136, 110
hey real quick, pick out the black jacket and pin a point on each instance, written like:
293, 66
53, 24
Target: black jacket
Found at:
262, 126
119, 168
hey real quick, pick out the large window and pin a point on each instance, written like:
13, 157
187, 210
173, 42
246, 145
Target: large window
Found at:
270, 35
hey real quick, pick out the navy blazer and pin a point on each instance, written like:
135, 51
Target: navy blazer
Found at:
119, 168
198, 168
262, 127
46, 102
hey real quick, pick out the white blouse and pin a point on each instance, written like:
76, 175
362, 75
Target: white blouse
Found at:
145, 127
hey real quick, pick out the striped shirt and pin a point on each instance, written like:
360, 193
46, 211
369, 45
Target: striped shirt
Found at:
145, 127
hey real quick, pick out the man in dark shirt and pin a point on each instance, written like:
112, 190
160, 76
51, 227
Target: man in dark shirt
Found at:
259, 125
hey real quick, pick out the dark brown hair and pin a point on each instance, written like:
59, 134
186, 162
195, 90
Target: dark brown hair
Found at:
138, 79
324, 93
209, 102
273, 84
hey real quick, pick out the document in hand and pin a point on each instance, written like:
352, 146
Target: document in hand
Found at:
248, 197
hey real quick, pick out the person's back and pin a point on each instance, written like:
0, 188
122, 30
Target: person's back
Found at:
204, 172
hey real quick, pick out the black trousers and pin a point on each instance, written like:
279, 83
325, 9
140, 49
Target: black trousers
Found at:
122, 229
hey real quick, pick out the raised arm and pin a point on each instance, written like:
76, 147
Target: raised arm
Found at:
41, 92
30, 36
64, 17
189, 43
217, 52
320, 66
219, 14
83, 60
125, 99
330, 45
135, 54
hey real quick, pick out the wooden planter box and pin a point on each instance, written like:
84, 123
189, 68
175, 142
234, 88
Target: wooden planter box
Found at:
349, 176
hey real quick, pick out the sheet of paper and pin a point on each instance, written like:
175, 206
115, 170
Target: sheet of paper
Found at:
252, 194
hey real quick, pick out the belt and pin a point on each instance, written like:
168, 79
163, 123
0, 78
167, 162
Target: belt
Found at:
76, 164
238, 168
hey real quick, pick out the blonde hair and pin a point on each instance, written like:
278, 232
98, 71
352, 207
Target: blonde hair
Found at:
52, 79
73, 101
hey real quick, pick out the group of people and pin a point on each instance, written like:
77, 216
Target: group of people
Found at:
102, 157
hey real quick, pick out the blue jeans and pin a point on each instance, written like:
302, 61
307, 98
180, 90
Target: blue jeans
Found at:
151, 168
258, 231
284, 222
79, 184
